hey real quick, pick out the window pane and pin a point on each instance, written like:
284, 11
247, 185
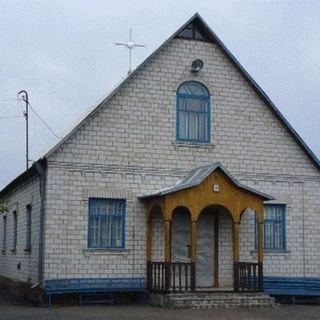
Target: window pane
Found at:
277, 236
268, 235
183, 125
193, 112
274, 228
197, 35
181, 103
4, 239
29, 227
106, 222
15, 225
203, 130
194, 105
193, 126
94, 231
105, 231
116, 232
193, 88
187, 32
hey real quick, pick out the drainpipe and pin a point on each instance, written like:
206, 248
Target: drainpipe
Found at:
303, 233
40, 167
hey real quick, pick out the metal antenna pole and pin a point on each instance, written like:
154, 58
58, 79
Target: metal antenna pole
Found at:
130, 45
26, 115
130, 50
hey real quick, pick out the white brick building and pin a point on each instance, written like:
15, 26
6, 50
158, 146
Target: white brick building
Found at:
160, 123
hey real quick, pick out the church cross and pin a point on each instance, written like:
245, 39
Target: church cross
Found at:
130, 45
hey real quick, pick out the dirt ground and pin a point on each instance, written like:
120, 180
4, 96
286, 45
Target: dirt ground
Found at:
18, 309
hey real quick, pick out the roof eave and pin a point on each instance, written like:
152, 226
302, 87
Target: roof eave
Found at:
215, 166
234, 60
23, 177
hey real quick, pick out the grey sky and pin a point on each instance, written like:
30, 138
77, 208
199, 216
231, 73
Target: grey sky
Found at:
63, 54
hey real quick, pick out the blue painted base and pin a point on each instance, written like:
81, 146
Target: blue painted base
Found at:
94, 286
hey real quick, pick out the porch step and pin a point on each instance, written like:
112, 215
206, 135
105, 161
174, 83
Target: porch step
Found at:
216, 300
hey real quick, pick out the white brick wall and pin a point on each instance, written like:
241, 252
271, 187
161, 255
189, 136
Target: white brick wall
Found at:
157, 237
18, 199
129, 145
225, 251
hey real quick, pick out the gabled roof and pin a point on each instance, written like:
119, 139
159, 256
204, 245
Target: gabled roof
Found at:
212, 37
209, 36
196, 176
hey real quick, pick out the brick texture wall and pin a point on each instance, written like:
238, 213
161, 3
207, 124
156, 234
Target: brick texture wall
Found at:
128, 147
17, 200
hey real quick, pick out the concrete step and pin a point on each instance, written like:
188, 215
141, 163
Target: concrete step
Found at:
213, 300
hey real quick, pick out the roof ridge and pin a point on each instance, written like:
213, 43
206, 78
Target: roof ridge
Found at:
233, 60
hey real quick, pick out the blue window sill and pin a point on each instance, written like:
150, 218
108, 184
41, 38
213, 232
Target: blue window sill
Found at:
194, 144
104, 251
271, 252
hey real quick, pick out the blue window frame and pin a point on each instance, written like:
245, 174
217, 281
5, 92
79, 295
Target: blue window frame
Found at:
29, 227
274, 231
15, 230
4, 239
193, 113
106, 223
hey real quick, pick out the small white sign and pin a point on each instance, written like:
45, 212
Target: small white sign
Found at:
216, 188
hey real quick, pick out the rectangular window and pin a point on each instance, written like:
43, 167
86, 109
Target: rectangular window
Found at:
274, 236
4, 239
193, 118
29, 227
15, 231
106, 223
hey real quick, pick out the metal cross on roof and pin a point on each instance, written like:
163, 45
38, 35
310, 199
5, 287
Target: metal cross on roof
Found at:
130, 45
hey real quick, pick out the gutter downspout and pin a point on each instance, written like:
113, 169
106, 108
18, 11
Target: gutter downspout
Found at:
42, 174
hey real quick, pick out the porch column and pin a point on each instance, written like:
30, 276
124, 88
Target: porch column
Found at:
260, 242
149, 251
236, 241
260, 254
149, 239
193, 254
167, 252
236, 254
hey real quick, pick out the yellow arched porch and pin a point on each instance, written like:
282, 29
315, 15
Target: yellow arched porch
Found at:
205, 186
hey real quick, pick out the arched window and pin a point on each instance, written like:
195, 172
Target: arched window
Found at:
193, 112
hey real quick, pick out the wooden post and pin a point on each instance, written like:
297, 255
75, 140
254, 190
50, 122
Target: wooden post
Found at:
260, 242
236, 254
236, 241
149, 238
167, 253
260, 255
216, 251
193, 254
149, 251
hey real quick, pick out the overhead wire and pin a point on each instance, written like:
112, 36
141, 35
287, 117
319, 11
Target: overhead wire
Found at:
43, 121
33, 110
5, 100
11, 117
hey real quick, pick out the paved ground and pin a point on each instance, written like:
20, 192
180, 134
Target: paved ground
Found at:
13, 309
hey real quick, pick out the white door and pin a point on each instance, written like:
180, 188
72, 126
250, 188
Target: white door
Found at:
205, 250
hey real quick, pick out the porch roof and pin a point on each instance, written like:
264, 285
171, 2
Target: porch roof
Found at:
196, 176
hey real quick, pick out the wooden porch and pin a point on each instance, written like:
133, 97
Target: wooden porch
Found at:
205, 187
180, 277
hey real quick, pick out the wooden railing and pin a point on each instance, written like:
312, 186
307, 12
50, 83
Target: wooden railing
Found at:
156, 276
181, 276
174, 276
248, 277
